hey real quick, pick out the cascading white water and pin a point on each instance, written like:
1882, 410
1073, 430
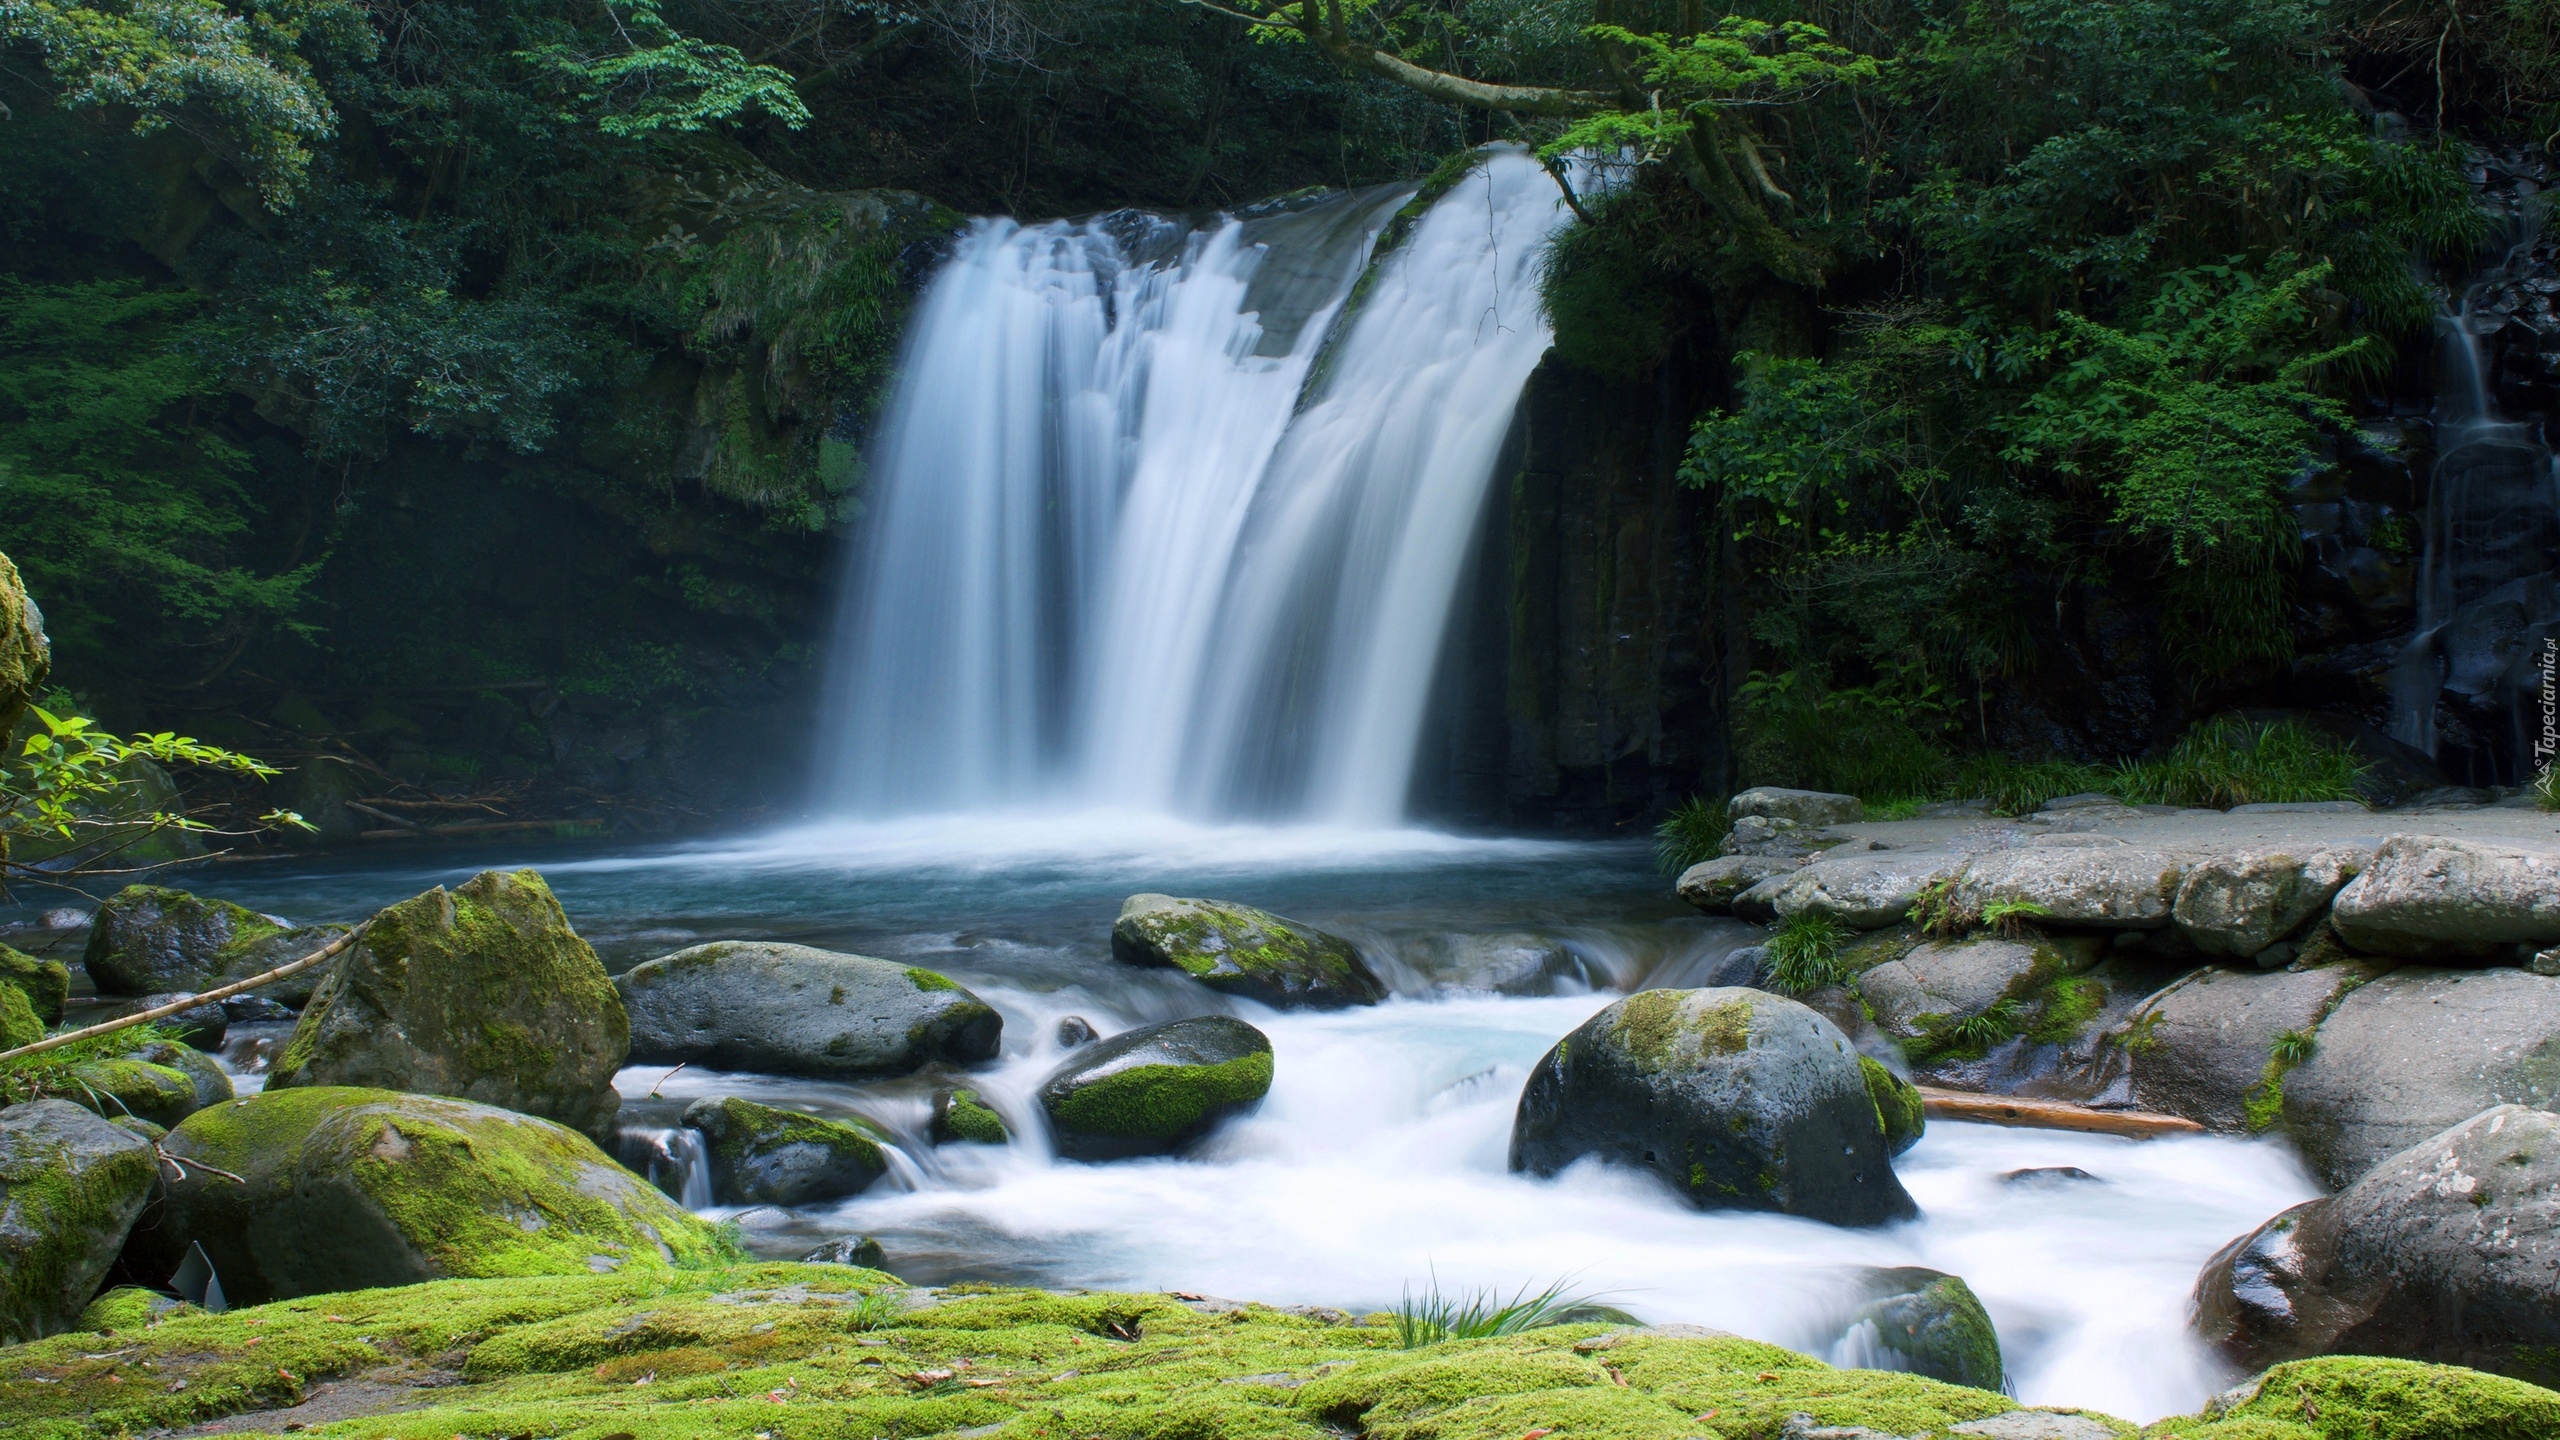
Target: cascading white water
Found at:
1126, 552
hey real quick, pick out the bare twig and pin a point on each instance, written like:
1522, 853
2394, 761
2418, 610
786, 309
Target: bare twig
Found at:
225, 992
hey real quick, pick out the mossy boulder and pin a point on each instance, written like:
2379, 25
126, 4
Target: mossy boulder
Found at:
345, 1189
1155, 1090
2354, 1397
764, 1156
26, 654
201, 1025
1899, 1108
794, 1010
70, 1187
18, 1022
145, 1089
961, 1118
1926, 1322
150, 940
45, 983
1238, 950
1738, 1099
483, 993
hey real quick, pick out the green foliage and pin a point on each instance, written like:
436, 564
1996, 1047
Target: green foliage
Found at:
1945, 1037
2010, 917
651, 78
1936, 912
73, 797
55, 1073
2019, 787
2228, 762
1736, 62
1693, 832
1435, 1317
1804, 953
1868, 741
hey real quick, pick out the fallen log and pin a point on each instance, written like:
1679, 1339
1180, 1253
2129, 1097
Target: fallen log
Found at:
2034, 1114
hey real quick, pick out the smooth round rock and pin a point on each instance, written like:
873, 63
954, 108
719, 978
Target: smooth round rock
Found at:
783, 1009
151, 940
70, 1187
1157, 1089
764, 1156
1926, 1322
1238, 950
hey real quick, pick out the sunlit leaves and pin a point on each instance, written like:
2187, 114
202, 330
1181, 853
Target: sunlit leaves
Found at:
646, 77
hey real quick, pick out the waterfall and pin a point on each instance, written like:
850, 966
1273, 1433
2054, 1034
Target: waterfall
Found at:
1170, 517
2489, 572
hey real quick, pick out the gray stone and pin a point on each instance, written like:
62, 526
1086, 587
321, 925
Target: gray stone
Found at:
2113, 887
210, 1082
1508, 964
2546, 962
70, 1187
2239, 904
2035, 1425
1738, 1099
1711, 885
857, 1250
1766, 837
764, 1156
2085, 800
1813, 808
793, 1010
482, 993
2431, 898
1926, 1322
2302, 807
149, 940
1865, 891
1951, 980
2448, 1251
1155, 1090
202, 1026
2415, 1052
1238, 950
2200, 1049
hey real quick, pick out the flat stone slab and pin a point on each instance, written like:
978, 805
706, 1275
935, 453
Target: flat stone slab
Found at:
2200, 1048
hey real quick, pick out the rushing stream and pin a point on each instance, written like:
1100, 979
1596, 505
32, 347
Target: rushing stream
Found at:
1378, 1160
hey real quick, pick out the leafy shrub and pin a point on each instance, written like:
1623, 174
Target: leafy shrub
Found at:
1868, 741
2228, 762
2018, 787
1691, 833
1804, 954
1935, 910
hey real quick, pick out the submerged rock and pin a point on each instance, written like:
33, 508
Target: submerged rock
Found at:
2237, 905
147, 940
1925, 1322
2431, 898
1737, 1098
45, 983
70, 1187
1157, 1089
1241, 951
346, 1189
961, 1118
2447, 1251
793, 1010
483, 993
1076, 1030
764, 1156
857, 1250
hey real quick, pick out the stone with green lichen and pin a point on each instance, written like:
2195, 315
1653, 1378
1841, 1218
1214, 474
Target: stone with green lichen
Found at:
961, 1118
149, 940
1157, 1089
2354, 1397
1927, 1322
18, 1022
122, 1085
70, 1187
1238, 950
794, 1010
1900, 1112
26, 654
45, 983
764, 1156
483, 993
344, 1189
1736, 1098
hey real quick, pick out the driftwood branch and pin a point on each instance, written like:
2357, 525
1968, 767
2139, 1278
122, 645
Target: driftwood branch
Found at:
162, 1012
2051, 1115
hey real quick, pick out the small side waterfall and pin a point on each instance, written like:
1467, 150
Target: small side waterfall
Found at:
2488, 588
1130, 549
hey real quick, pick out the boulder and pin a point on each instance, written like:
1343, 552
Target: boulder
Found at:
26, 654
1712, 885
18, 1022
482, 993
1503, 964
793, 1010
2431, 898
163, 1083
1924, 1322
1075, 1030
2238, 904
2447, 1251
1899, 1108
348, 1189
147, 940
1157, 1089
764, 1156
1949, 980
70, 1187
2360, 1397
1241, 951
1867, 890
2207, 1047
45, 983
1804, 807
1764, 837
961, 1118
2415, 1052
1738, 1099
201, 1026
861, 1251
2115, 887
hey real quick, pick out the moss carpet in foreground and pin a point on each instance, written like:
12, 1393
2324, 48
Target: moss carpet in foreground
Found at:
802, 1352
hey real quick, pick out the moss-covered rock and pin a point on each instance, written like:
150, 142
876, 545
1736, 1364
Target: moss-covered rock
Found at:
18, 1022
149, 940
794, 1010
1238, 950
1900, 1112
70, 1187
2354, 1397
26, 654
1157, 1089
764, 1156
124, 1085
1928, 1323
1738, 1099
343, 1189
45, 983
483, 993
961, 1118
127, 1307
201, 1025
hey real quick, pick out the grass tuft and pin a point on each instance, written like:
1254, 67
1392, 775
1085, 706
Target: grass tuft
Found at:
2009, 917
1804, 954
1435, 1316
1692, 834
50, 1073
2228, 762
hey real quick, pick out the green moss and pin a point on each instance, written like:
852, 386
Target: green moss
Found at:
1876, 947
1900, 1113
1162, 1102
1651, 1023
56, 1221
125, 1086
2343, 1397
127, 1307
18, 1022
45, 983
967, 1119
928, 980
747, 1128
